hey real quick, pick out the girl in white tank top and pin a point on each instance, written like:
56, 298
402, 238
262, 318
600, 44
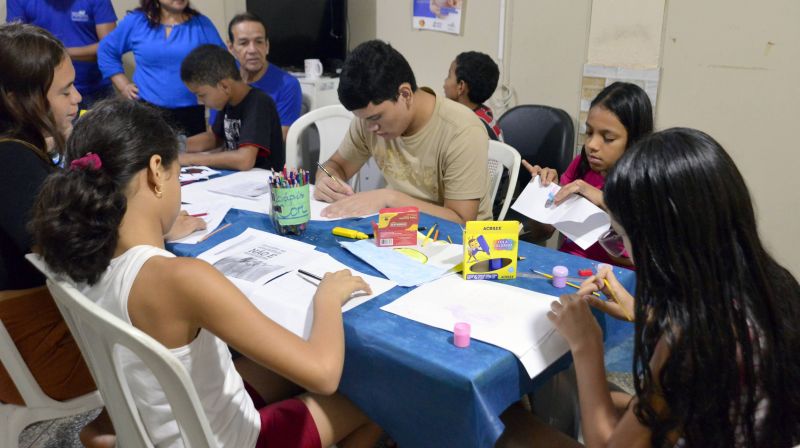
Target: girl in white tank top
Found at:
102, 222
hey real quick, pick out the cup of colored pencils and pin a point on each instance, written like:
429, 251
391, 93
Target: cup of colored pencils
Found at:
291, 203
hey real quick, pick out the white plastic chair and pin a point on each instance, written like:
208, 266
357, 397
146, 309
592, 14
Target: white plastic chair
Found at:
38, 406
98, 333
332, 123
502, 155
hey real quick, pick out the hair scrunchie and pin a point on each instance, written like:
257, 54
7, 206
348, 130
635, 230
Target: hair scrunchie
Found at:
90, 161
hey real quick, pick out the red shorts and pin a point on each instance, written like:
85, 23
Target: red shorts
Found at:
287, 423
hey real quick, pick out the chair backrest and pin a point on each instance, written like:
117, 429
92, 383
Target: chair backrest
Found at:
332, 123
501, 155
98, 334
543, 135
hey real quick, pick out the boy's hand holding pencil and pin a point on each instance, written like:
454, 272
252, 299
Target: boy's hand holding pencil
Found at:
328, 187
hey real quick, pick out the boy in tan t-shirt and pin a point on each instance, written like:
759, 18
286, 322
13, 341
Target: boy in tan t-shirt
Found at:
432, 151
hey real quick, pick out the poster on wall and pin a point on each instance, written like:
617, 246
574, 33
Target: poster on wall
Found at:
438, 15
597, 77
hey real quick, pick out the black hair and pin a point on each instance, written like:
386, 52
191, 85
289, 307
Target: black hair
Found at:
208, 65
245, 17
633, 109
726, 309
152, 10
372, 73
29, 56
78, 212
479, 72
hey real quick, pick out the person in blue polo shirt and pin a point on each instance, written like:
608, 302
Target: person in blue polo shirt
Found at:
249, 43
79, 25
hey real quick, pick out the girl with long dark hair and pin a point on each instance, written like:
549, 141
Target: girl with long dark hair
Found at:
716, 359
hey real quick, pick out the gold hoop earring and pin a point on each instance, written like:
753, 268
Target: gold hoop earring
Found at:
159, 193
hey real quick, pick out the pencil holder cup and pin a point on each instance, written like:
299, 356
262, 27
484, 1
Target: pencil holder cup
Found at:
290, 209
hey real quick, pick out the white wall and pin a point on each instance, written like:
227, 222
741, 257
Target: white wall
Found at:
545, 45
732, 69
626, 33
430, 54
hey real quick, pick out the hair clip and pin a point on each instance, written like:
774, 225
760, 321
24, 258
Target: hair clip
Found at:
90, 161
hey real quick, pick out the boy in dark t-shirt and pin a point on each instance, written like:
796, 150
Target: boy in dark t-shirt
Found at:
247, 128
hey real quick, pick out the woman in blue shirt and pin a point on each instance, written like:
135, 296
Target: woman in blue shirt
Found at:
160, 33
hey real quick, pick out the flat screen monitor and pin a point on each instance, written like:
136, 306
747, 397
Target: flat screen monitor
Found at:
304, 29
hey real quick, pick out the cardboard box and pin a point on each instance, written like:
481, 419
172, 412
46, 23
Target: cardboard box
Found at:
490, 250
396, 227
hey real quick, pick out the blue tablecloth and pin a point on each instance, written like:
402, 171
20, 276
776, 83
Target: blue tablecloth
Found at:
409, 377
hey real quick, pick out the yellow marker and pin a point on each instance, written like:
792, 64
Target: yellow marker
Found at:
349, 233
616, 299
427, 237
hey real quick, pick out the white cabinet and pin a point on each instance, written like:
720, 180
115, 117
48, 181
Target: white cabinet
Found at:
318, 92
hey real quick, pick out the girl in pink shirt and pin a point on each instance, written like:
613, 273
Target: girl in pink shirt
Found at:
619, 116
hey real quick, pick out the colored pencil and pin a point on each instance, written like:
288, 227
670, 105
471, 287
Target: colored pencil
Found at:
220, 229
574, 285
425, 241
315, 277
325, 170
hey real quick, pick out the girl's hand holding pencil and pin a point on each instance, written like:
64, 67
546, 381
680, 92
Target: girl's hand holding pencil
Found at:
620, 302
341, 285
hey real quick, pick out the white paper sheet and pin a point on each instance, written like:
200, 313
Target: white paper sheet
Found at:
577, 218
409, 265
258, 257
215, 213
214, 191
248, 189
288, 299
318, 206
203, 192
511, 318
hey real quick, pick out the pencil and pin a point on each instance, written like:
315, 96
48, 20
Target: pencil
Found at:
449, 240
325, 170
315, 277
436, 235
574, 285
220, 229
425, 241
616, 299
197, 215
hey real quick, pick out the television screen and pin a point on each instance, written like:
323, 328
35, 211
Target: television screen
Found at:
304, 29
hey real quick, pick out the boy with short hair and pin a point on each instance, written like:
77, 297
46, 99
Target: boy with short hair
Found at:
247, 127
431, 151
471, 81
